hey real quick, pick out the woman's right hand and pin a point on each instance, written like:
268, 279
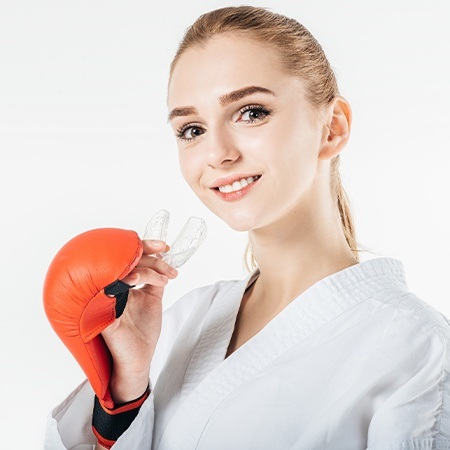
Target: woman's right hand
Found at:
133, 336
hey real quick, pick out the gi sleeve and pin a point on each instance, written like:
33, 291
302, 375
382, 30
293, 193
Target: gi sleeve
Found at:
69, 425
416, 413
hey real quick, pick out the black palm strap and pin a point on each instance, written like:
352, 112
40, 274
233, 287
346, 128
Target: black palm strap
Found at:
120, 290
109, 424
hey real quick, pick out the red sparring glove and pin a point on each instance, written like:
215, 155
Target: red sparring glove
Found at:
83, 294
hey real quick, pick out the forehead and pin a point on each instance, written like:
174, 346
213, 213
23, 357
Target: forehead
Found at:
223, 64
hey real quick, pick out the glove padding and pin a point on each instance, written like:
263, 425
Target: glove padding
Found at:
76, 303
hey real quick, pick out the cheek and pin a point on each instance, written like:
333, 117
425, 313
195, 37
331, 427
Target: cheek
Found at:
184, 166
189, 169
293, 157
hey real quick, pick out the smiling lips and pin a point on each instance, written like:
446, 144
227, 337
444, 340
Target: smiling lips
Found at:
237, 189
237, 185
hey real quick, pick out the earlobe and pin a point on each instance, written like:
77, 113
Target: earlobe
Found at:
337, 129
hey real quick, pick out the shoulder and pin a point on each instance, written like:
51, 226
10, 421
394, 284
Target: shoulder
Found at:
388, 302
409, 314
411, 332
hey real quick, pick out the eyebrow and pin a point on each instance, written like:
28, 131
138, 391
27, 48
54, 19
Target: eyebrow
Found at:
224, 100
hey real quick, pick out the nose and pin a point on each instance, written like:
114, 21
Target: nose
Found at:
221, 148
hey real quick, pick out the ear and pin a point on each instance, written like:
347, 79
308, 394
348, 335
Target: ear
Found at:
337, 128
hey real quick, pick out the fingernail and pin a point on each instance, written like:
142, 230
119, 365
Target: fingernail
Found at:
157, 244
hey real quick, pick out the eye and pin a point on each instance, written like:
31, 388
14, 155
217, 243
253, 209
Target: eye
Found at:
254, 113
189, 132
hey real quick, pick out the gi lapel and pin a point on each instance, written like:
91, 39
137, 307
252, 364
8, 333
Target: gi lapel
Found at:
210, 378
197, 351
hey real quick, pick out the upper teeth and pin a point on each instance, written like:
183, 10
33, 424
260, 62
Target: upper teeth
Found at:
237, 184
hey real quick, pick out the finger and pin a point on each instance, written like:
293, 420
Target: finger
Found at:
143, 275
131, 279
150, 262
157, 264
160, 255
151, 246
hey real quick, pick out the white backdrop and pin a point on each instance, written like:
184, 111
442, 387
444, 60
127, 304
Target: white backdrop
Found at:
84, 144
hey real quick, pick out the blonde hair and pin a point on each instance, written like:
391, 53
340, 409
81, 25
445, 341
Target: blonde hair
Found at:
301, 55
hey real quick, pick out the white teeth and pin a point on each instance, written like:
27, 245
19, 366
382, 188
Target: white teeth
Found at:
237, 185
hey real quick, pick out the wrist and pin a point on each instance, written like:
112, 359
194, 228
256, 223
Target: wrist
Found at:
127, 387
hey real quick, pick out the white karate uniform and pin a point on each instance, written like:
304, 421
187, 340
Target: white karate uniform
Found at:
354, 362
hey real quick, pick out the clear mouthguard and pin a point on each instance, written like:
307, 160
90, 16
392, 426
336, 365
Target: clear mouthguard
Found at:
157, 227
191, 236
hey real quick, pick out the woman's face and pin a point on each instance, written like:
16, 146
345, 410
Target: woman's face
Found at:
247, 137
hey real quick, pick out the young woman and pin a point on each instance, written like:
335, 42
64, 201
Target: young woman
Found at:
314, 349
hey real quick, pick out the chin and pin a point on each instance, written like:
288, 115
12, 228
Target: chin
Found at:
239, 222
235, 216
238, 226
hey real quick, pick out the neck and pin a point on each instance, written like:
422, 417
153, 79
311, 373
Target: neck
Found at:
296, 252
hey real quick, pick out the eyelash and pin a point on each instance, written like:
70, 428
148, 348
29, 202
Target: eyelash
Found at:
180, 131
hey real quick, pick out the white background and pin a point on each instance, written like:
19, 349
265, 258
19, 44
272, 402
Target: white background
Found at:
84, 144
